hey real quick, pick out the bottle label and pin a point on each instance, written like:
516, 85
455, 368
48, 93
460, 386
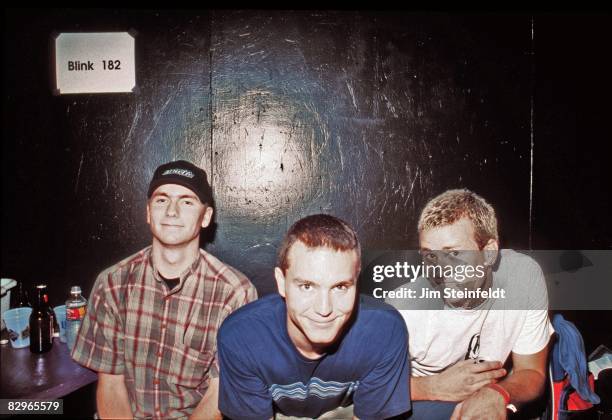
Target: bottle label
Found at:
74, 314
46, 298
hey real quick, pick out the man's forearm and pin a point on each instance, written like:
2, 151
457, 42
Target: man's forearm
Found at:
208, 408
112, 397
457, 382
524, 386
420, 388
528, 378
426, 388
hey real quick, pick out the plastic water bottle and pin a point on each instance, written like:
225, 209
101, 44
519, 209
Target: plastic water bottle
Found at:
76, 307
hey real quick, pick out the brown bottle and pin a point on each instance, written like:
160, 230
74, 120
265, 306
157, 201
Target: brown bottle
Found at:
41, 322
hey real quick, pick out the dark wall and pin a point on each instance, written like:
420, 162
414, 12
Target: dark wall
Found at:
572, 205
76, 167
572, 193
365, 115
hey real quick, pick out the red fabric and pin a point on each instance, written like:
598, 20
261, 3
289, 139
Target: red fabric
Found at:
574, 402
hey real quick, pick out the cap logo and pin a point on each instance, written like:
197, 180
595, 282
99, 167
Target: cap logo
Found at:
182, 172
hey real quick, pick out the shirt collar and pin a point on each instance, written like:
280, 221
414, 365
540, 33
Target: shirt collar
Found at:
192, 269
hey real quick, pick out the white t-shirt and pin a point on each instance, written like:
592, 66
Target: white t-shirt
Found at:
519, 324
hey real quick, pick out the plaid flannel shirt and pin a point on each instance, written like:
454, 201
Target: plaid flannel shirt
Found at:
163, 341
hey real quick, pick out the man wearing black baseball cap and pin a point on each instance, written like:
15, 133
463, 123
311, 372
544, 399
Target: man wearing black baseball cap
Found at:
186, 174
151, 327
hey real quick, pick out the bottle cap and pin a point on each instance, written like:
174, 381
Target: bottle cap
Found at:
75, 289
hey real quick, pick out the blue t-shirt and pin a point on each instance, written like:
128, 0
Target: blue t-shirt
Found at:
262, 372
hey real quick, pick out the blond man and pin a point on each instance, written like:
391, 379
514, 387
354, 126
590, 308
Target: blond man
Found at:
458, 353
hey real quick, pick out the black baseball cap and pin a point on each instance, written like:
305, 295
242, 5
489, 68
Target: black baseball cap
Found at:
182, 173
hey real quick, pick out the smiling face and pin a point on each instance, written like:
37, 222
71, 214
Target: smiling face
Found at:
320, 288
176, 215
455, 244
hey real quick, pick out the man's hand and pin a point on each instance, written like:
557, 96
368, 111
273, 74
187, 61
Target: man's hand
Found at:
485, 404
458, 382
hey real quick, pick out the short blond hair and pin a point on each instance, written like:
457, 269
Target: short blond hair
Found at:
452, 205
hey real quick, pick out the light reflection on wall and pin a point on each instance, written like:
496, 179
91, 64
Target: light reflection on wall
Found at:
266, 154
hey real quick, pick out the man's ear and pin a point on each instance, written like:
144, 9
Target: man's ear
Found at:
491, 249
280, 281
208, 213
148, 214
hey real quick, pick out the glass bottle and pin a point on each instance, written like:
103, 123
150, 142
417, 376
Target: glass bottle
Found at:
41, 322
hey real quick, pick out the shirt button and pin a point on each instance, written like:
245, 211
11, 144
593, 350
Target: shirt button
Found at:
159, 354
156, 382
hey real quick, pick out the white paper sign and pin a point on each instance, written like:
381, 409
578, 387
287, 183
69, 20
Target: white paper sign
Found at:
95, 62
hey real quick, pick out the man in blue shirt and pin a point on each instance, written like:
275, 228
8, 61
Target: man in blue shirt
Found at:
317, 345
